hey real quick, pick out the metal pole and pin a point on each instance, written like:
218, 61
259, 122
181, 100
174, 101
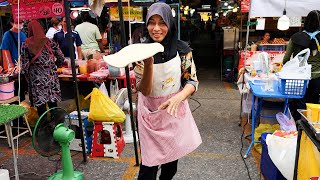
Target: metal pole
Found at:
123, 44
241, 24
73, 67
130, 38
15, 163
245, 58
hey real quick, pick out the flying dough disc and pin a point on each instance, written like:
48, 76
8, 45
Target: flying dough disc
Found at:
133, 53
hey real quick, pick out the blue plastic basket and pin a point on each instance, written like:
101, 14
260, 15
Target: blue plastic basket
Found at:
293, 86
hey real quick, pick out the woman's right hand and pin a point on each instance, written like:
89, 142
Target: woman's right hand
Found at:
145, 85
148, 62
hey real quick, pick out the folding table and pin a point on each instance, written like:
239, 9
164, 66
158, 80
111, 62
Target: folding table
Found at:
7, 114
258, 92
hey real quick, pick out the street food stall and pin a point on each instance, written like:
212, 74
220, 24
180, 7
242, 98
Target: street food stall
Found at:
256, 69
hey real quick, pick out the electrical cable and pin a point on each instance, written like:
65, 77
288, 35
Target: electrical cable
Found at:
242, 148
57, 162
198, 105
247, 122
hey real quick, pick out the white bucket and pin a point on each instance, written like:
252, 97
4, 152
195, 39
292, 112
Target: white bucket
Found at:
4, 174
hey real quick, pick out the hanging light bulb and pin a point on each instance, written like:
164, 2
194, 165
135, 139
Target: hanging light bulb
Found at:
173, 12
226, 4
283, 22
235, 10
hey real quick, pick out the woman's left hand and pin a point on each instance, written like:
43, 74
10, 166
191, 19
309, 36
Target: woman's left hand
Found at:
172, 104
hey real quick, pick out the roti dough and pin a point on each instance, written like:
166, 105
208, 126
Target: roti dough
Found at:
133, 53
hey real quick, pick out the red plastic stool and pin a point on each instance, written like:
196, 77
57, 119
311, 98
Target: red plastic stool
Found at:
107, 140
97, 149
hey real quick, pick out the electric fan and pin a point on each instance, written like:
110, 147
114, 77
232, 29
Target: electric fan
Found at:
123, 103
51, 134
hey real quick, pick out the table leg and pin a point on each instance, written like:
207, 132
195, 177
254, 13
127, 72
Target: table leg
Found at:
27, 123
13, 154
252, 126
295, 174
7, 133
286, 107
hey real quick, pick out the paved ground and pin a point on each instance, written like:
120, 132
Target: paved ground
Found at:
216, 106
216, 109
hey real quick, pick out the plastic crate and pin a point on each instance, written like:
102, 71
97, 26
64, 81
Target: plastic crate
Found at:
293, 86
270, 47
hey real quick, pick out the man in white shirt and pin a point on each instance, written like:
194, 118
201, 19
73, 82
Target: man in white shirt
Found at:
90, 37
56, 26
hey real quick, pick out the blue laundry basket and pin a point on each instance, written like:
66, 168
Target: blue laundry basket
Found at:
267, 168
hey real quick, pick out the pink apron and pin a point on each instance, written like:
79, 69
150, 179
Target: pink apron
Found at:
165, 138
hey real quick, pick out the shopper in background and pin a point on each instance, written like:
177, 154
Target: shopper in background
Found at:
222, 21
265, 39
56, 26
9, 49
40, 57
62, 39
167, 130
90, 37
9, 45
309, 38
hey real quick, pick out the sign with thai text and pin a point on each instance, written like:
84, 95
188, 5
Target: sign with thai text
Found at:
135, 13
245, 6
36, 9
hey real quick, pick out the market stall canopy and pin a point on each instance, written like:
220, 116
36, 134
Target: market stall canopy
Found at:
274, 8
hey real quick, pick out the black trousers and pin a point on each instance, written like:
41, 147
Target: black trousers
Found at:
311, 96
23, 87
168, 170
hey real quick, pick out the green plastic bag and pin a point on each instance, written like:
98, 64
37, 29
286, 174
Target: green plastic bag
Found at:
102, 108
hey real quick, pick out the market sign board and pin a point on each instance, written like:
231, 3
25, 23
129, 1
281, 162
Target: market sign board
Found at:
136, 13
245, 6
36, 9
4, 10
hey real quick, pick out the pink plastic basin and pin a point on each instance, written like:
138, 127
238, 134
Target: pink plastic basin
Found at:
6, 91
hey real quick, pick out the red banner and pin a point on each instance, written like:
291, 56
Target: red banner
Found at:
36, 9
245, 6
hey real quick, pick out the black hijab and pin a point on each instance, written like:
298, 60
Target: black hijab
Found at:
170, 43
312, 24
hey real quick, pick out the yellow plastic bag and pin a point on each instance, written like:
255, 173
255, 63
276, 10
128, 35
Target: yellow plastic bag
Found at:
262, 128
309, 159
102, 108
